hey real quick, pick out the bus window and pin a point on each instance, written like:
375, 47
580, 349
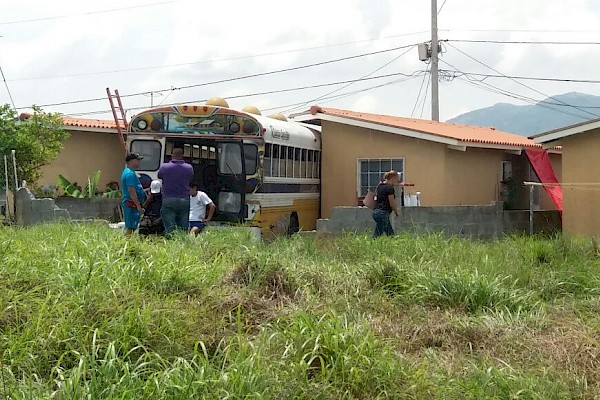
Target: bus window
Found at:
289, 169
275, 161
309, 163
302, 163
251, 158
230, 159
150, 150
267, 160
317, 164
282, 160
296, 163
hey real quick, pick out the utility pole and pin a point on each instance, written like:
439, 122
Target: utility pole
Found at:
435, 103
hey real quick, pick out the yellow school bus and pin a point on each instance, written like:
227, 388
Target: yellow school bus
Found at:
259, 171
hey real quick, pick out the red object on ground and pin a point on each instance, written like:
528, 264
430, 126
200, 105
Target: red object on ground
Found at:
540, 161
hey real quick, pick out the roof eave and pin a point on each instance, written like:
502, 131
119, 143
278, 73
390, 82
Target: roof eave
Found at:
409, 132
555, 135
89, 129
386, 128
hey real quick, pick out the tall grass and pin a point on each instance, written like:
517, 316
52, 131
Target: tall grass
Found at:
86, 313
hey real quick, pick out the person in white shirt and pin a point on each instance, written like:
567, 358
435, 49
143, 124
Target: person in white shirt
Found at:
199, 201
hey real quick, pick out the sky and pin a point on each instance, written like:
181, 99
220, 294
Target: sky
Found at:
166, 52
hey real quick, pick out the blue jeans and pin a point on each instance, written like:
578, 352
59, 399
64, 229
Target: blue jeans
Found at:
175, 212
383, 226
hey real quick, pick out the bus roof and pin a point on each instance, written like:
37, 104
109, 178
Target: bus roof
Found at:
286, 133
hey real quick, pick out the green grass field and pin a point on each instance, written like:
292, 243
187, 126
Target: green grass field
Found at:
88, 314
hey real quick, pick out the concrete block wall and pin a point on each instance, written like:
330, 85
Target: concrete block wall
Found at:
32, 211
482, 222
80, 209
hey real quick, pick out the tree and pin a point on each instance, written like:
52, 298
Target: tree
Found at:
37, 140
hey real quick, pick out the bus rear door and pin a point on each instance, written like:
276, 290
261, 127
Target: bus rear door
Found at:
231, 197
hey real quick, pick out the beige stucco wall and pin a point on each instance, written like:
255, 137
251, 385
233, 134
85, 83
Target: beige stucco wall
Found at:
343, 145
472, 177
84, 153
581, 212
443, 176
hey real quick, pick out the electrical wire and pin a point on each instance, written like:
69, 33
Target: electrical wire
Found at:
491, 88
412, 113
351, 83
531, 78
520, 83
8, 90
426, 93
86, 13
523, 30
236, 78
442, 6
518, 42
403, 75
348, 94
124, 70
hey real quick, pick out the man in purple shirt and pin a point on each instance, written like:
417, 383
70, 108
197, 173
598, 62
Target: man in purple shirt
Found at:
176, 176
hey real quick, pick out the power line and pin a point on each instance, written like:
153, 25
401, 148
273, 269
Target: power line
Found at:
347, 94
419, 94
519, 83
425, 98
519, 42
530, 78
491, 88
86, 13
408, 76
237, 78
524, 30
8, 90
351, 83
117, 71
442, 6
494, 89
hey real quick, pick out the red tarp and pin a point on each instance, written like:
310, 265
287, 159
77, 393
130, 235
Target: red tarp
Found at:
540, 161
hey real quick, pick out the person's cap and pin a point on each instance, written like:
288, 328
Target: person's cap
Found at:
133, 156
155, 186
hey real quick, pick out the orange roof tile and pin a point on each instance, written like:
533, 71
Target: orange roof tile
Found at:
90, 123
463, 133
83, 122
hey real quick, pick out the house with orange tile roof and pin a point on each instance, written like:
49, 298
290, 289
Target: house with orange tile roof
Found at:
448, 164
93, 145
580, 181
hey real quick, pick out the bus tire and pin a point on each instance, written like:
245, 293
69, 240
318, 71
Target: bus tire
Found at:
294, 226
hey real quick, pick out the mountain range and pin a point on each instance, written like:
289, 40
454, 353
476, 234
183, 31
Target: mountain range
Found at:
552, 113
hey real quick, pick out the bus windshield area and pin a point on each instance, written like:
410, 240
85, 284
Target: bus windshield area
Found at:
216, 124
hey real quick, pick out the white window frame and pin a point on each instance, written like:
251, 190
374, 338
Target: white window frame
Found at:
358, 171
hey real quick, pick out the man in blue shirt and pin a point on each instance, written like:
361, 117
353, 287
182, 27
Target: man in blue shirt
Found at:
133, 193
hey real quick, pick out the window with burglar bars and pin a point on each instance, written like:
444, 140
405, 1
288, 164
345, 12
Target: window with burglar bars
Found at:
370, 172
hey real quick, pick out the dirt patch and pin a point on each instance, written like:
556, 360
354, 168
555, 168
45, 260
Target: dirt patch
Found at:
269, 281
564, 344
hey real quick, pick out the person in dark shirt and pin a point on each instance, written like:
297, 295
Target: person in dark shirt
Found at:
385, 203
151, 223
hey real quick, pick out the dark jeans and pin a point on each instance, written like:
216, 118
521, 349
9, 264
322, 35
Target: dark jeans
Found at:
383, 226
175, 212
